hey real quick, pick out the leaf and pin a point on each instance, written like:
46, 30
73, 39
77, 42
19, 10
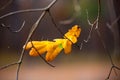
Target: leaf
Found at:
53, 48
73, 33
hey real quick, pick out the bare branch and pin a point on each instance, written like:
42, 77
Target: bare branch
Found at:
35, 25
41, 55
95, 26
6, 66
55, 25
110, 26
29, 10
9, 28
113, 67
33, 28
7, 4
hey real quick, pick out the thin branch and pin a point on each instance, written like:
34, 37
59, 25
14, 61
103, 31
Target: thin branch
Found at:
109, 73
21, 11
95, 26
6, 66
92, 27
117, 67
107, 51
90, 32
41, 55
29, 10
103, 43
112, 68
9, 28
115, 21
35, 25
110, 57
33, 28
55, 25
53, 21
6, 5
22, 53
95, 23
88, 19
104, 46
110, 26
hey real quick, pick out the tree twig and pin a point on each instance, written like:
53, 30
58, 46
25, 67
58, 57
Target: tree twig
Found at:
6, 66
95, 26
9, 28
33, 28
41, 55
28, 10
7, 4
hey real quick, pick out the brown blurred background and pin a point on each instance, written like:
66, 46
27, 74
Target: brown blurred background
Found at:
90, 63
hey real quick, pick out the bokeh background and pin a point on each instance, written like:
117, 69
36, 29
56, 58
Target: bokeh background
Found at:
90, 63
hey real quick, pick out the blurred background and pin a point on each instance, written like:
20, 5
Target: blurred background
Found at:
90, 63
